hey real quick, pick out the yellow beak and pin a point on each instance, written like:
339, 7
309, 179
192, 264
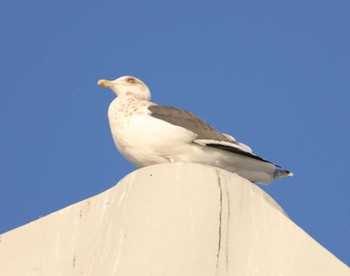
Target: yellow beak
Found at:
102, 82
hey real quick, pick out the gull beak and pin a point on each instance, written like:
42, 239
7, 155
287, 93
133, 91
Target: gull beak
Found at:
103, 83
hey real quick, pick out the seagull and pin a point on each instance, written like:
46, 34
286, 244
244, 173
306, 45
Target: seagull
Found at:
146, 133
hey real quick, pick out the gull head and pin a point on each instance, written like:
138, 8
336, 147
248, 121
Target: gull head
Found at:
127, 86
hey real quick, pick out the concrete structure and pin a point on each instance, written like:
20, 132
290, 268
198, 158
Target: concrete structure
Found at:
169, 219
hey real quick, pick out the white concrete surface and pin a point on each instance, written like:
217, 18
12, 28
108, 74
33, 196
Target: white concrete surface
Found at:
169, 219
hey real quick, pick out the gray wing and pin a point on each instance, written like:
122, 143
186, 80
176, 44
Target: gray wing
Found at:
188, 120
205, 132
207, 135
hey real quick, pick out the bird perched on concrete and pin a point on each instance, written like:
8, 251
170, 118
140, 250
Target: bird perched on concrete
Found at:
147, 134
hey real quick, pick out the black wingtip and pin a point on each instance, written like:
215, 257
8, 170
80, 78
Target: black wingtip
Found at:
280, 173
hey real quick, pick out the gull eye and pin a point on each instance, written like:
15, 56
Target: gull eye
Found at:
131, 80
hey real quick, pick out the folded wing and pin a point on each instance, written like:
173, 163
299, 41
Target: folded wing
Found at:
206, 134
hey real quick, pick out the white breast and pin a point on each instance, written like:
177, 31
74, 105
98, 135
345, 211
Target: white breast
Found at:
145, 140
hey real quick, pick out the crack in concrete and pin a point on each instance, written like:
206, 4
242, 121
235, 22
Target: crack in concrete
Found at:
220, 225
228, 227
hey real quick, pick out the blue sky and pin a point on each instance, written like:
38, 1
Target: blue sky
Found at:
273, 74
